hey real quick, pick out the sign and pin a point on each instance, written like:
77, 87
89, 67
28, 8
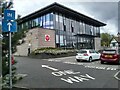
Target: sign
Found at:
47, 37
8, 26
9, 14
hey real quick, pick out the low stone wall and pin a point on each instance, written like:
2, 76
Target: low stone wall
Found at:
47, 56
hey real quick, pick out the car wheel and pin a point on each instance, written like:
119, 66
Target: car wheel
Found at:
90, 59
102, 62
77, 60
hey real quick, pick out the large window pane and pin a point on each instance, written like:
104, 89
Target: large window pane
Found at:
60, 19
61, 40
56, 17
47, 22
83, 28
56, 22
61, 22
51, 16
44, 21
41, 21
57, 38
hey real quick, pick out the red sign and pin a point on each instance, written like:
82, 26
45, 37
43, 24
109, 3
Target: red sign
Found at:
47, 37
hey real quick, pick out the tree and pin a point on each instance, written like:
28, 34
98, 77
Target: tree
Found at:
105, 39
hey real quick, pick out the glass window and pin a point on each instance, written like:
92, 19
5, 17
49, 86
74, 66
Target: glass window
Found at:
64, 26
72, 23
61, 40
83, 28
88, 28
56, 17
60, 19
60, 22
41, 21
109, 51
32, 22
51, 16
47, 17
64, 21
47, 22
97, 31
72, 26
67, 25
57, 38
35, 22
92, 30
44, 21
113, 44
77, 27
82, 51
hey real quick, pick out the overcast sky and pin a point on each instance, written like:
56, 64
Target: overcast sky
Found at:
102, 10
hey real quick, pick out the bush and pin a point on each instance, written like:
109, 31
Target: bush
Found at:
51, 51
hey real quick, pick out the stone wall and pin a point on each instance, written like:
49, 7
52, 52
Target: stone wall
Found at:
42, 33
36, 38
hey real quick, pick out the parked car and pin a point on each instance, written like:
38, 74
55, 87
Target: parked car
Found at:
88, 55
110, 55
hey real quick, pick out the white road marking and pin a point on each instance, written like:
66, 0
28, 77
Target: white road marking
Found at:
54, 60
90, 65
68, 79
22, 75
65, 72
51, 68
77, 79
116, 75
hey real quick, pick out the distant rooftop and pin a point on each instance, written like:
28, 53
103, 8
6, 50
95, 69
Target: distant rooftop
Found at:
117, 39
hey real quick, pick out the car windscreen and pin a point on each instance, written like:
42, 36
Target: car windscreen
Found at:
109, 51
82, 51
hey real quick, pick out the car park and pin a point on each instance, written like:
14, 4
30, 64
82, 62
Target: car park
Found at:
110, 56
87, 55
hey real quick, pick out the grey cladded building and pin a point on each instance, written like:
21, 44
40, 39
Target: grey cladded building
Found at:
69, 28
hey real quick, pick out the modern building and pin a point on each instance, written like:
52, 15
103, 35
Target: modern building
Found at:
59, 26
